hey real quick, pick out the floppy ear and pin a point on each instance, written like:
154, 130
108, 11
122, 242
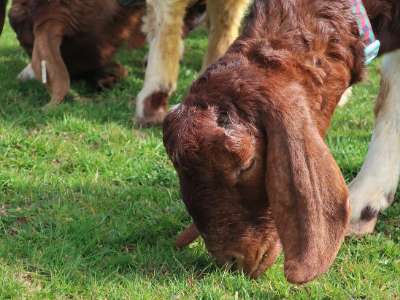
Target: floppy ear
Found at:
48, 64
306, 191
3, 6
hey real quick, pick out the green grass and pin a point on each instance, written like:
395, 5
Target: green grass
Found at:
90, 204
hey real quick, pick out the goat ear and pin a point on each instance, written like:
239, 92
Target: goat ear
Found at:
47, 63
307, 194
3, 6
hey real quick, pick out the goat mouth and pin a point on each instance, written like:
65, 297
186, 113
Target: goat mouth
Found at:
253, 269
267, 260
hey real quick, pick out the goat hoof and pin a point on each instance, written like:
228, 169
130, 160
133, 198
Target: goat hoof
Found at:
155, 107
360, 228
48, 106
45, 108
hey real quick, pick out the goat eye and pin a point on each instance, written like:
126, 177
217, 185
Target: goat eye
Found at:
251, 164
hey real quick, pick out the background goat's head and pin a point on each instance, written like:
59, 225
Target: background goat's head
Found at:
21, 22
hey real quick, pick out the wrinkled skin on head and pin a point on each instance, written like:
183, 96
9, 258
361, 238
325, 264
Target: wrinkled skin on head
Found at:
248, 141
227, 199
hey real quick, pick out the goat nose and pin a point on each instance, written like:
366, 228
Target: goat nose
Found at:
234, 264
221, 259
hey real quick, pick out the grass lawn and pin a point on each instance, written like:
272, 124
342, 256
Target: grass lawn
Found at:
90, 205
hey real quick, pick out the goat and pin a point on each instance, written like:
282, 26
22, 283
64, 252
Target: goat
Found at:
248, 145
73, 39
79, 40
162, 24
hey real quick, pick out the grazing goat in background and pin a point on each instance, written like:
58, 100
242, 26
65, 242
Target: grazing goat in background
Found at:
75, 39
248, 141
163, 24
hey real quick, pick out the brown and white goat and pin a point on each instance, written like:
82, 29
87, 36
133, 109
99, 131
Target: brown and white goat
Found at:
78, 40
73, 39
248, 141
163, 23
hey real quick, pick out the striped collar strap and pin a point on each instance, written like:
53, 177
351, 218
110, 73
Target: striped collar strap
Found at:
367, 35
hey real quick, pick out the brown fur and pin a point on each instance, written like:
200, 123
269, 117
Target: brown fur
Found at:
3, 5
76, 40
385, 21
154, 103
79, 40
195, 14
188, 235
248, 141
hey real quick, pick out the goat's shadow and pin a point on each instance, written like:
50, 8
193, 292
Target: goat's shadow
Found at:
123, 237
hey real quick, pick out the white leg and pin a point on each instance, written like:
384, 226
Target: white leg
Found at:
163, 25
224, 18
374, 187
27, 74
181, 51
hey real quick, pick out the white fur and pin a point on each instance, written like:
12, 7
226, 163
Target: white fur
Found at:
176, 106
27, 74
163, 27
345, 97
379, 176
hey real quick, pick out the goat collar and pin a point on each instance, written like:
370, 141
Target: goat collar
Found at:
366, 33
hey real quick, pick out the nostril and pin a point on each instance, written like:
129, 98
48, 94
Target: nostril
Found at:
211, 253
234, 264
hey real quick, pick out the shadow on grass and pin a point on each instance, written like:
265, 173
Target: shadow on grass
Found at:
91, 233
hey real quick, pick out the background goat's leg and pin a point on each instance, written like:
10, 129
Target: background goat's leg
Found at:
163, 25
27, 73
374, 187
224, 18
